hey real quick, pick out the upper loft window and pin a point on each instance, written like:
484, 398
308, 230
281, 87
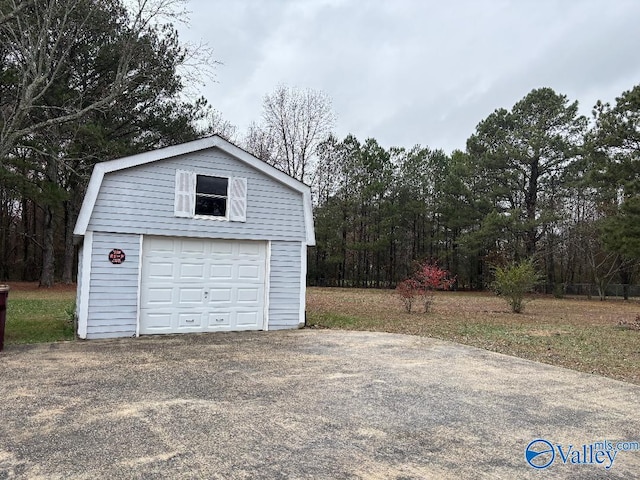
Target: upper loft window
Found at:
212, 195
208, 196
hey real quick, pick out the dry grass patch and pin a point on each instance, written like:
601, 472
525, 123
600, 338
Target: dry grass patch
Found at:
585, 335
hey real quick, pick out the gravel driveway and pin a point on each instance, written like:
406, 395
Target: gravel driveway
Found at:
302, 404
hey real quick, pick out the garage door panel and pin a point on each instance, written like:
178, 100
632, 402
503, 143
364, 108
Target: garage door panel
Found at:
224, 248
189, 320
250, 272
219, 320
247, 318
248, 295
160, 270
193, 246
250, 249
192, 285
192, 271
220, 295
221, 271
191, 295
158, 321
158, 296
161, 246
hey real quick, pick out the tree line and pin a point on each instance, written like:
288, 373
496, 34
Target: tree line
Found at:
538, 181
85, 81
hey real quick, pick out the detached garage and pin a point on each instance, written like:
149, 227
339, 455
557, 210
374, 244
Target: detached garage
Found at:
198, 237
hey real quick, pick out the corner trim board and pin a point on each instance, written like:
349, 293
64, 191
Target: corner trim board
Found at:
308, 218
83, 308
303, 282
267, 286
138, 293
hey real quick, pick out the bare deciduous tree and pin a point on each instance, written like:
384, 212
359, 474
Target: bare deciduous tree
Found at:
216, 124
294, 122
38, 39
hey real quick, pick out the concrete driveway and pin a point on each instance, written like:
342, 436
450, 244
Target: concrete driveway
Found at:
302, 404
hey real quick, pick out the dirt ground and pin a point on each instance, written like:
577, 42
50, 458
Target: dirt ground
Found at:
31, 290
33, 287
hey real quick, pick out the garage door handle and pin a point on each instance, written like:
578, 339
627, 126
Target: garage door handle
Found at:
219, 319
190, 320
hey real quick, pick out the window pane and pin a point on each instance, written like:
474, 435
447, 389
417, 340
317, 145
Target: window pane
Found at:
211, 185
215, 207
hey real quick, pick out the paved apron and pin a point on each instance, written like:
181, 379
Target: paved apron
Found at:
302, 404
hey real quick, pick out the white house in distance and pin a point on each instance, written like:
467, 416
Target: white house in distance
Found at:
197, 237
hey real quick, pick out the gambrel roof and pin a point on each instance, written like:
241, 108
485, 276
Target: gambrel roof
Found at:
214, 141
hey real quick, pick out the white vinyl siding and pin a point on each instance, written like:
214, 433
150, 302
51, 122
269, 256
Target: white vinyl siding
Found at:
113, 294
284, 285
142, 200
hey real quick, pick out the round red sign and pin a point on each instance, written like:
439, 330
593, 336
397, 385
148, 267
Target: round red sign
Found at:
116, 256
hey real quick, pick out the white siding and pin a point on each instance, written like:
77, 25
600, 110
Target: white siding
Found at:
284, 285
113, 297
141, 200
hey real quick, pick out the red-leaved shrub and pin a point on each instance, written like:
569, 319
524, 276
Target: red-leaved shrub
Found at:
428, 278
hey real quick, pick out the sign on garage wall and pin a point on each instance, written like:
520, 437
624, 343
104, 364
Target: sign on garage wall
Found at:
116, 256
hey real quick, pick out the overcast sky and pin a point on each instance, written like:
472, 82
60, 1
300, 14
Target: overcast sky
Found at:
408, 71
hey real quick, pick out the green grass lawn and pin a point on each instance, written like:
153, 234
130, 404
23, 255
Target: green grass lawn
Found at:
35, 316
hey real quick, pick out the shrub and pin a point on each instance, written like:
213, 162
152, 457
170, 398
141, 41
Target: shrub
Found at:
514, 281
431, 277
422, 284
408, 290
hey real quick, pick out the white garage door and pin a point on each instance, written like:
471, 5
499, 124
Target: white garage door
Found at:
202, 285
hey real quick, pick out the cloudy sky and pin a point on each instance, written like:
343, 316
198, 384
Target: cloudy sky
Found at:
409, 71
